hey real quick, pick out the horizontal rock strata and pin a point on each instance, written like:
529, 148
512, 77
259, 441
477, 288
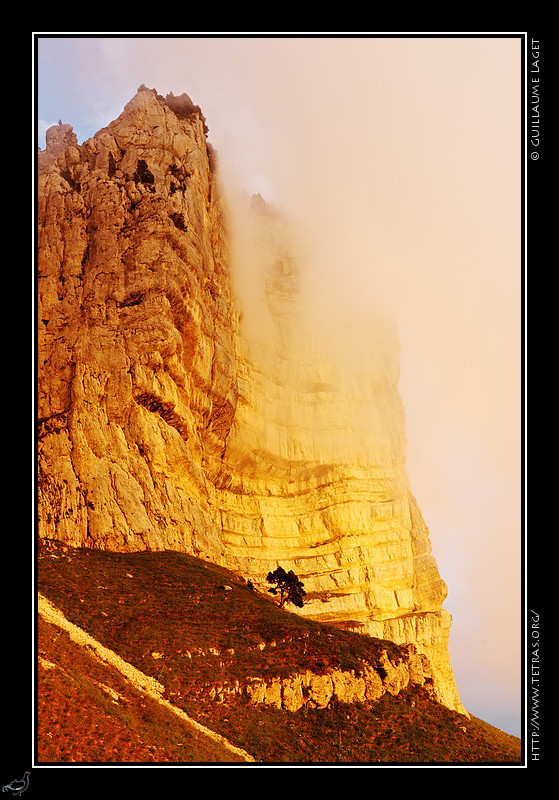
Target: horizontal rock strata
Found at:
174, 415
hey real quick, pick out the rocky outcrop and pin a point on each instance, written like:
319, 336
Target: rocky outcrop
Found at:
312, 690
173, 414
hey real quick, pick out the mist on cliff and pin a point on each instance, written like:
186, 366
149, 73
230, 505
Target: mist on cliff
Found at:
399, 159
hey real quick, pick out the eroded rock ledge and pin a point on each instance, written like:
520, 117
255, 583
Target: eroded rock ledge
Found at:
313, 690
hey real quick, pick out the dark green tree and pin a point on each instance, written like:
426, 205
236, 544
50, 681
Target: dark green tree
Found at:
288, 585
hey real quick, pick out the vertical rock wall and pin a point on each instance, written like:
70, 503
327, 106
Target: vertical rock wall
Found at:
165, 423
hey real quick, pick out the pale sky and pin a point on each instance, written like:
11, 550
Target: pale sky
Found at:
401, 159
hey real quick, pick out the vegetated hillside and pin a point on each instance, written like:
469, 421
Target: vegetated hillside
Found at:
198, 628
88, 712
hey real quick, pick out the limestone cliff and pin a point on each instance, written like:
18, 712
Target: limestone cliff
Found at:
166, 423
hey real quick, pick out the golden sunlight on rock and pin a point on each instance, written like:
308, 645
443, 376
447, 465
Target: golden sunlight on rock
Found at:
187, 402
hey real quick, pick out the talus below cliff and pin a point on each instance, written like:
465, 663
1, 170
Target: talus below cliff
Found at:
164, 423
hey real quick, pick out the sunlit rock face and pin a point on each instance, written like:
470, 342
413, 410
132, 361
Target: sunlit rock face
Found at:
187, 401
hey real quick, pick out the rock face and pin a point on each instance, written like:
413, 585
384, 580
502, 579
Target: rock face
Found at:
314, 690
169, 420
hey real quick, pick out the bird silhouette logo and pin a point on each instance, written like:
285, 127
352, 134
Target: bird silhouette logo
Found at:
17, 787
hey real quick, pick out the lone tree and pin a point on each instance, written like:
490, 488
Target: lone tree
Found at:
288, 585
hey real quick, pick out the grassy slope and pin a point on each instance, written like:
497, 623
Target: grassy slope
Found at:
176, 606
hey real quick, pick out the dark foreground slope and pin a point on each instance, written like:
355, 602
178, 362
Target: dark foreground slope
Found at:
194, 627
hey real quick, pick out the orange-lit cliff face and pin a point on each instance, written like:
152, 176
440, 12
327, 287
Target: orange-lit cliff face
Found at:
168, 420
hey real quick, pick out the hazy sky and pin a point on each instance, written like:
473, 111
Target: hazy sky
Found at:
401, 159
